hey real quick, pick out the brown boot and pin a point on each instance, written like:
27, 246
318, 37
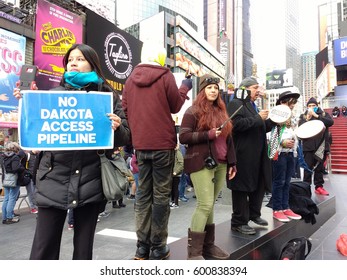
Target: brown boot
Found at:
195, 244
210, 250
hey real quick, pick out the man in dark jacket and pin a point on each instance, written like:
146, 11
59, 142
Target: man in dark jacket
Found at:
150, 96
316, 148
253, 165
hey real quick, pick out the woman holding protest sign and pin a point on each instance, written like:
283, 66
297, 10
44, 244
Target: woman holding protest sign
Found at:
71, 179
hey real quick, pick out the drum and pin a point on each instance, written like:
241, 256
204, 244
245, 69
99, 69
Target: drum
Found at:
280, 114
310, 129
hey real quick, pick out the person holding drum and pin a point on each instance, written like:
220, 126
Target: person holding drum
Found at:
315, 148
283, 142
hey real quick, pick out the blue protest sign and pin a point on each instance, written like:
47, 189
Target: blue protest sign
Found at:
65, 120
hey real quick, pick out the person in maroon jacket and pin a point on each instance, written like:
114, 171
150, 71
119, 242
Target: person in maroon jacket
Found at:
207, 131
150, 96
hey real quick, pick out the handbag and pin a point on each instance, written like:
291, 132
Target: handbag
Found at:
10, 180
114, 176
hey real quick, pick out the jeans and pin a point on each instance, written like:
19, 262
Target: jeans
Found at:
182, 185
283, 169
10, 198
30, 193
152, 208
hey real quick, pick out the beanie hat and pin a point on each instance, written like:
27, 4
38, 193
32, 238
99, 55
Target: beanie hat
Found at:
249, 81
312, 100
206, 80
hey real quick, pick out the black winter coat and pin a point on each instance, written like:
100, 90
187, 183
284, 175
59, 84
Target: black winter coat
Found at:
249, 134
69, 179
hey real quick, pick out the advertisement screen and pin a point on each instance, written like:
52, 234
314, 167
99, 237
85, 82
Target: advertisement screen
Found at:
56, 31
119, 52
12, 58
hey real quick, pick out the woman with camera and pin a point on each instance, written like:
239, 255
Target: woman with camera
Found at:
210, 156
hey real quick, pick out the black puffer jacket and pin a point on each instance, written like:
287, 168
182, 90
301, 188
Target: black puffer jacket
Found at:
70, 179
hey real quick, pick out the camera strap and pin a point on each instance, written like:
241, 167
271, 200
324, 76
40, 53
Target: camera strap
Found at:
209, 147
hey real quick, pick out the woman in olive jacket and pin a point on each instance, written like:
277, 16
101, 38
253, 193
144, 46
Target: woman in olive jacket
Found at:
72, 179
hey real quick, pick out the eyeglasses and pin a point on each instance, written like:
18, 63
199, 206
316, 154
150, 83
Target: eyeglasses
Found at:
212, 80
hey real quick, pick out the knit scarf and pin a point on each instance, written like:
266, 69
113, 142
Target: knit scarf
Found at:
81, 79
274, 142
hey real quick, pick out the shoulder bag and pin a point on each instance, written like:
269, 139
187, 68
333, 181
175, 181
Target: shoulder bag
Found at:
114, 176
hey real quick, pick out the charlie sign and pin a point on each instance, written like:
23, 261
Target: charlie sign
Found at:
65, 120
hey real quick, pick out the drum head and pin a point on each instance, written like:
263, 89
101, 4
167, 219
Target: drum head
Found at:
310, 129
280, 114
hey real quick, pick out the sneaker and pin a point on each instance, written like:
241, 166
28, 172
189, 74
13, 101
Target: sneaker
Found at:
183, 199
34, 211
290, 214
189, 189
104, 214
122, 204
173, 205
131, 197
16, 215
70, 227
279, 215
320, 190
11, 221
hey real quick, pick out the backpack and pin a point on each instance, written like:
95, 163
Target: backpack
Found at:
296, 249
300, 201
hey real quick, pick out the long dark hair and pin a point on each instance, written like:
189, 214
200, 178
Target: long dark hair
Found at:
93, 59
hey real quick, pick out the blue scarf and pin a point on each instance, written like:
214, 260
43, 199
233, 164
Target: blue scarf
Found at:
81, 79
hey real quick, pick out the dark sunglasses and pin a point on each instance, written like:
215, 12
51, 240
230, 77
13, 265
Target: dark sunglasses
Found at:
212, 80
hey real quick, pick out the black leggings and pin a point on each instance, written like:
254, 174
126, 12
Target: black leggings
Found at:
49, 229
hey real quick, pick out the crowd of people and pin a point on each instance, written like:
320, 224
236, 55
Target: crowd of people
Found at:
216, 145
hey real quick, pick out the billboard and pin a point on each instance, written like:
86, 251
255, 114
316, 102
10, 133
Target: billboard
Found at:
322, 59
279, 79
340, 51
104, 8
12, 47
119, 52
56, 31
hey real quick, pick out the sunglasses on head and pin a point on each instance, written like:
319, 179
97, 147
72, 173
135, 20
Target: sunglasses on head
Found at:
212, 80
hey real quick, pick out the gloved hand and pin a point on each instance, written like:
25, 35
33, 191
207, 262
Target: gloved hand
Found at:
188, 83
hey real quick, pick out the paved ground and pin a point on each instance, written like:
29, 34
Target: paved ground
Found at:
116, 240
